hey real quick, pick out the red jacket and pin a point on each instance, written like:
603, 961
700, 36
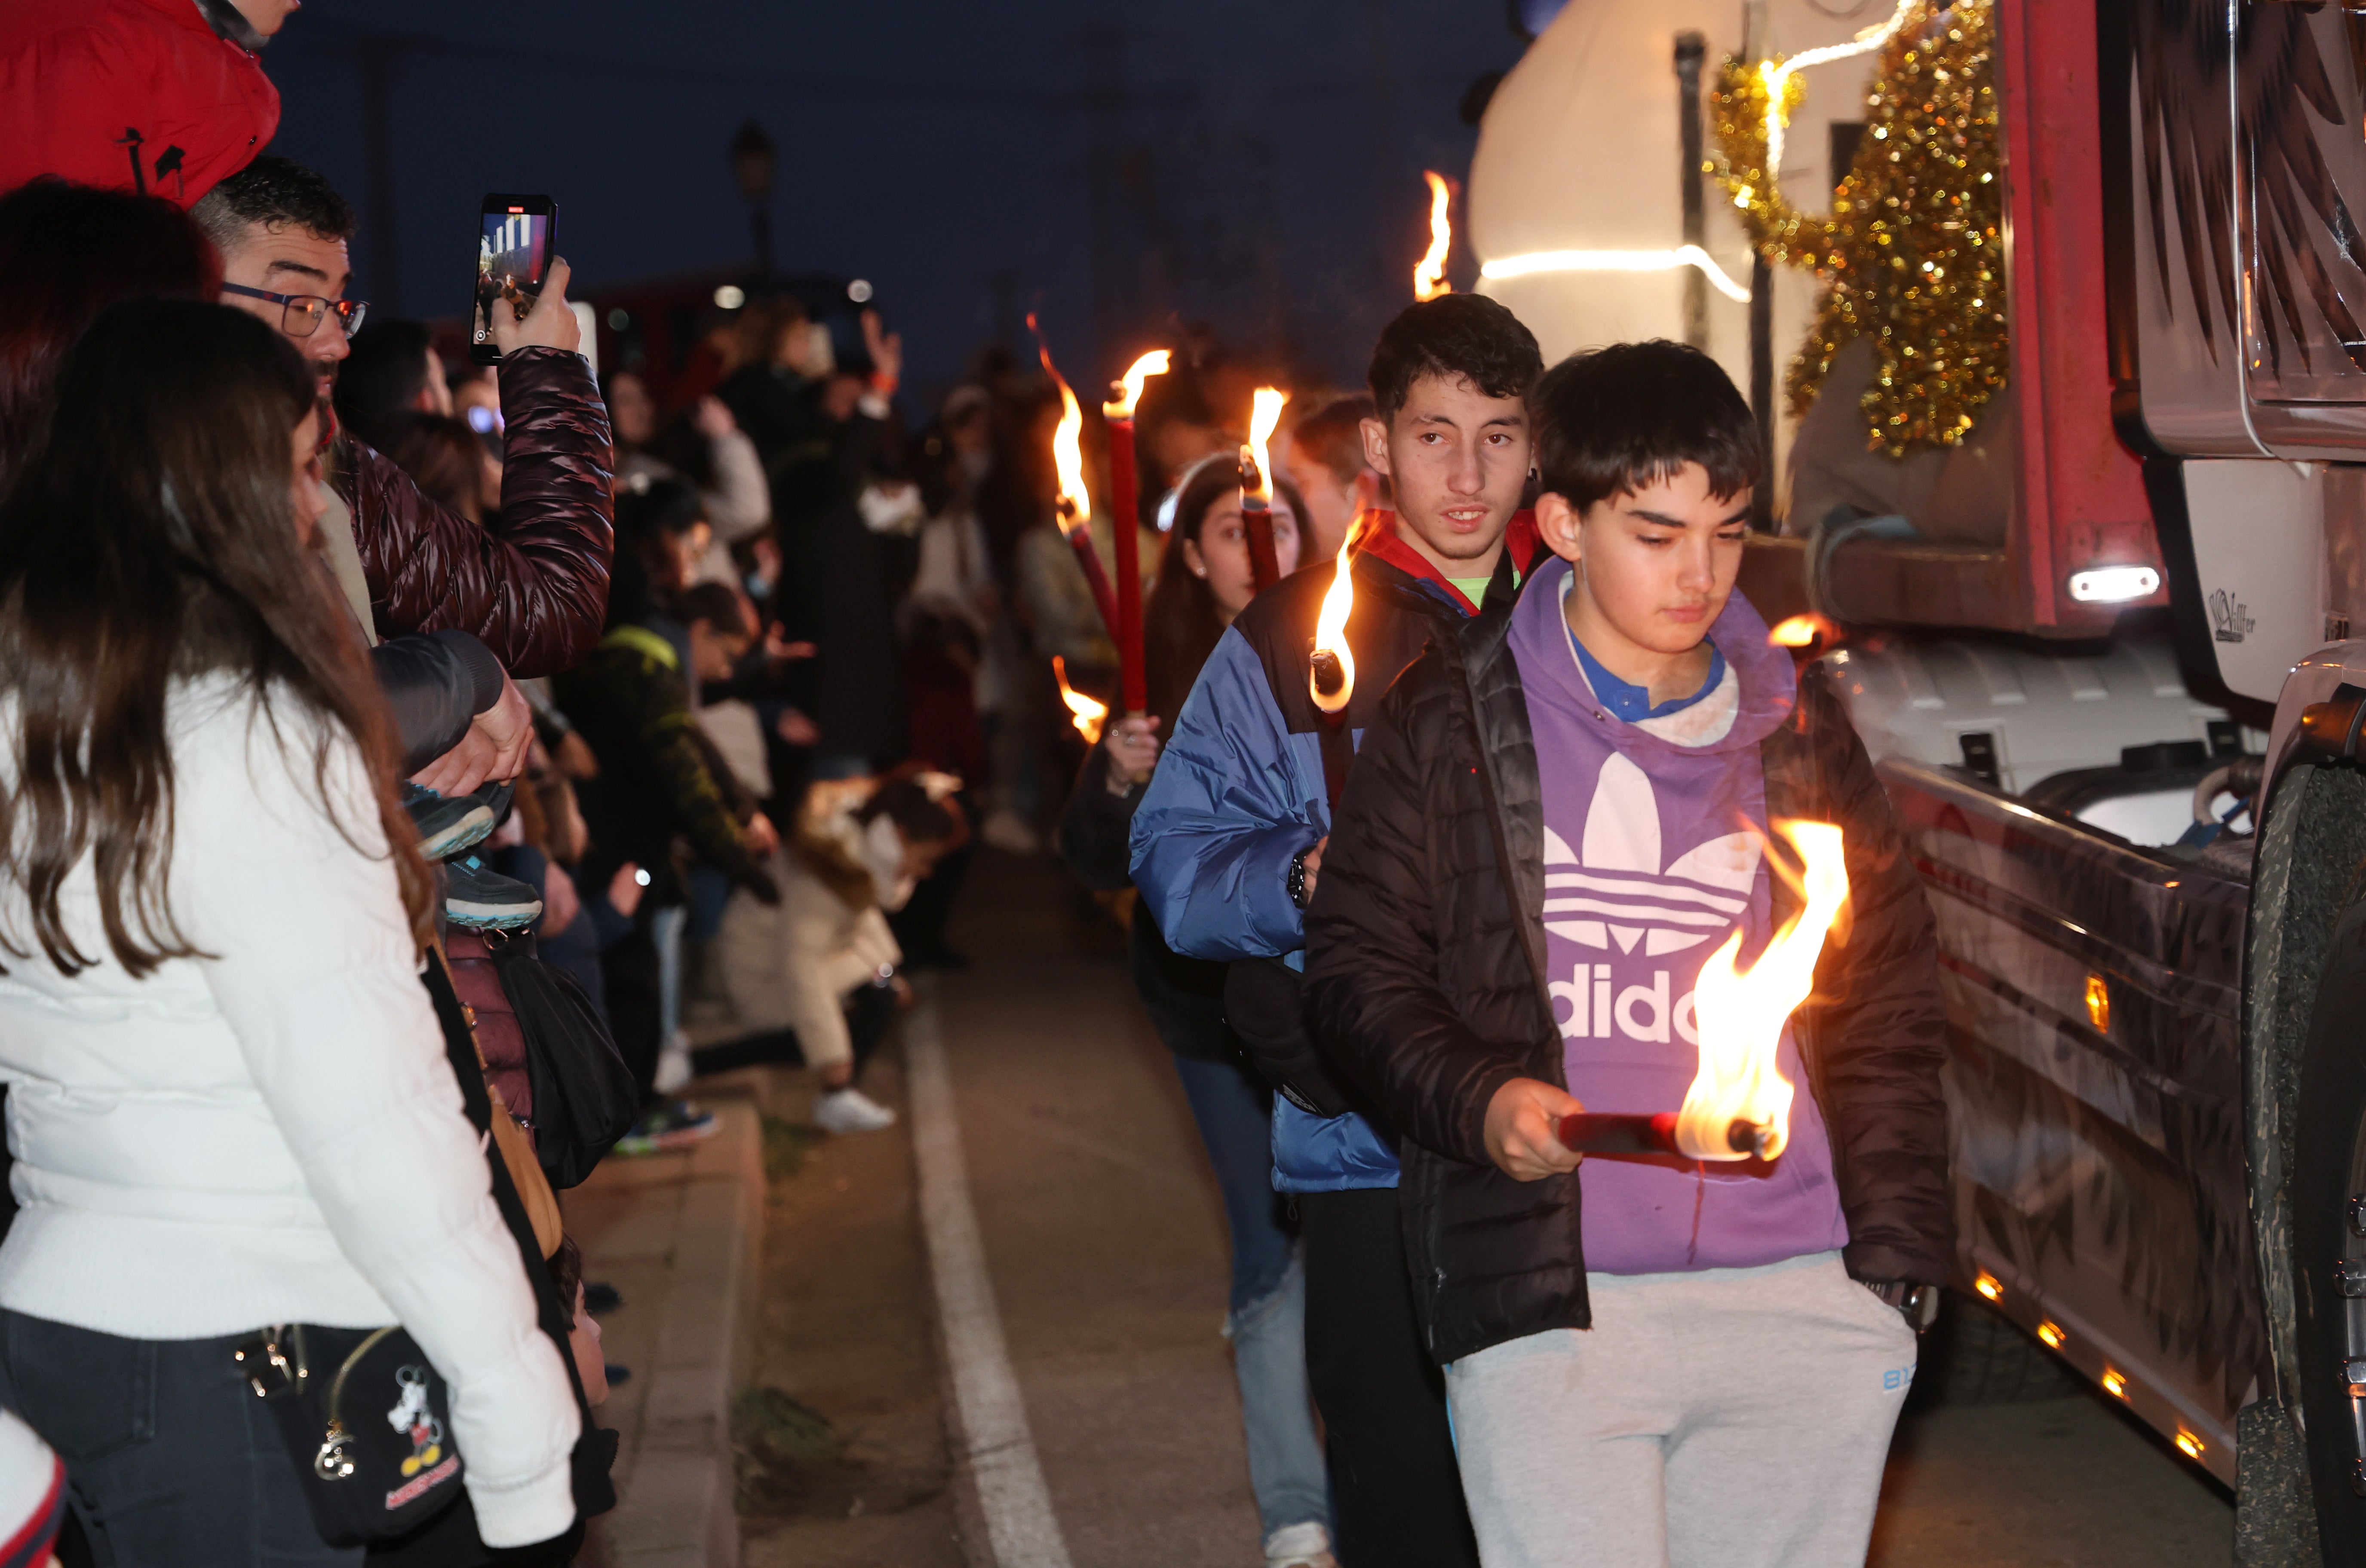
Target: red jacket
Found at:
126, 94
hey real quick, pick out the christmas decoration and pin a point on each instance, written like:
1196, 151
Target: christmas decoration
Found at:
1913, 253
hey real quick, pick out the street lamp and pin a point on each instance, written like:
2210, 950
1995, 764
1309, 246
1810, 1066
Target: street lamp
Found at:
752, 156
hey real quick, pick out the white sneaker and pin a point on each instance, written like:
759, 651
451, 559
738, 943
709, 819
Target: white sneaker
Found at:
1304, 1545
1005, 831
673, 1067
849, 1110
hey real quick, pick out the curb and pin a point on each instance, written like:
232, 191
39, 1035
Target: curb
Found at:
703, 1211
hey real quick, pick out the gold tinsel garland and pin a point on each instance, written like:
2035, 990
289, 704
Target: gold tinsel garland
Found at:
1913, 253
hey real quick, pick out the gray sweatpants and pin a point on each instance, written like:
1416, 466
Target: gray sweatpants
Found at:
1728, 1419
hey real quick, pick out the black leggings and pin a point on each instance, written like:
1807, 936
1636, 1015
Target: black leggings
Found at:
868, 1013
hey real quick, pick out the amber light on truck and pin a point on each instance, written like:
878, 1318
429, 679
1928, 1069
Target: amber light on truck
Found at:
1987, 1285
2114, 585
2051, 1335
2188, 1445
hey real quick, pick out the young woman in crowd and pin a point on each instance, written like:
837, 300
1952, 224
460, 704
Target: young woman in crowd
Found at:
1204, 580
703, 445
228, 1092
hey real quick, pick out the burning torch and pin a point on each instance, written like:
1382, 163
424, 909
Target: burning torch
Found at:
1076, 506
1429, 273
1256, 486
1086, 713
1331, 668
1134, 687
1740, 1104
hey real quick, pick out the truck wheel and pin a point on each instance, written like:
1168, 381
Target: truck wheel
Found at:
2329, 1241
1976, 1355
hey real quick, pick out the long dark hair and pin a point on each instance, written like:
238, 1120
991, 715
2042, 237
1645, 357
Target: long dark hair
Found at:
66, 254
151, 539
1180, 622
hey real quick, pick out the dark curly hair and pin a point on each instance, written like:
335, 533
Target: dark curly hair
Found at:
275, 192
1611, 420
1461, 337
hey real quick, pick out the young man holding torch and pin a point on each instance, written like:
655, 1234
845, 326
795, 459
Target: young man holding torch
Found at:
1227, 847
1557, 819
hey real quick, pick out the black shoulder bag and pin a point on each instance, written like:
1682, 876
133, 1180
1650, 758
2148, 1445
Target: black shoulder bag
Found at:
584, 1096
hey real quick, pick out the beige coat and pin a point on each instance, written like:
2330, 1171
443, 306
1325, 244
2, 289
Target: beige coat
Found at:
791, 967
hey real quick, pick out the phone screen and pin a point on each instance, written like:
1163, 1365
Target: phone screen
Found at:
512, 255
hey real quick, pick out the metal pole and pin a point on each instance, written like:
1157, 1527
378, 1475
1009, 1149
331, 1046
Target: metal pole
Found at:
1762, 385
1690, 48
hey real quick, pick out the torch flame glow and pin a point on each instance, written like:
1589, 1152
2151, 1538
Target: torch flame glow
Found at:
1075, 508
1090, 715
1155, 363
1331, 636
1801, 631
1265, 415
1740, 1016
1429, 273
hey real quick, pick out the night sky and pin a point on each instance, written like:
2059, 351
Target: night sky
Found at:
1256, 165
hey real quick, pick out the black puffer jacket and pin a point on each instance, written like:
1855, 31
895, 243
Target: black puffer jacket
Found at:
1424, 981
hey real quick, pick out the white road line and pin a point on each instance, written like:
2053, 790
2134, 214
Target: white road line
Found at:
1020, 1523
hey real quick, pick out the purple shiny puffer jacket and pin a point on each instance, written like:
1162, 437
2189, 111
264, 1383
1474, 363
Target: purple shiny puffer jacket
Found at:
532, 587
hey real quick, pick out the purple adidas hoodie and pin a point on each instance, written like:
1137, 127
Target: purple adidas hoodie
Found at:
1650, 859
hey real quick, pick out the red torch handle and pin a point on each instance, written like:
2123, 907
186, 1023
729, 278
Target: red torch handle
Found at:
1594, 1132
1125, 520
1080, 540
1256, 521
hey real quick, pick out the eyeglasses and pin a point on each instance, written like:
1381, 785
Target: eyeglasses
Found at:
300, 315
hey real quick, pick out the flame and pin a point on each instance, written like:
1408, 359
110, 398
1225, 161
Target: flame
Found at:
1155, 363
1331, 633
1090, 715
1802, 631
1740, 1016
1076, 509
1265, 415
1429, 273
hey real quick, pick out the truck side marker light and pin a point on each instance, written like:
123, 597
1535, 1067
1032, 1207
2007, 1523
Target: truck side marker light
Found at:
2098, 1004
2114, 1385
1987, 1285
2114, 585
2188, 1444
2051, 1335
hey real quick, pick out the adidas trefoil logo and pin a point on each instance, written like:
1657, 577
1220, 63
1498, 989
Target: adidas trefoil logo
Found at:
1616, 891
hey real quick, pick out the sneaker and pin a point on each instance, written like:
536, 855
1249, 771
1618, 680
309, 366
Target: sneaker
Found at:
446, 823
1304, 1545
483, 899
1005, 831
673, 1066
600, 1298
849, 1110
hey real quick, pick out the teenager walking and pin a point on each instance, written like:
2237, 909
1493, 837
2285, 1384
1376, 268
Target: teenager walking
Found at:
1557, 816
1228, 845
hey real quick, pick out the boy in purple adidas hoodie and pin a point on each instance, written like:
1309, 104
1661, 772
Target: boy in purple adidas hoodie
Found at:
1558, 818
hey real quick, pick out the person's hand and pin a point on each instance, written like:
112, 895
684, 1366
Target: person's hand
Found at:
1133, 743
573, 757
780, 650
762, 836
561, 902
1314, 866
798, 730
494, 747
713, 417
624, 890
551, 324
1523, 1120
886, 351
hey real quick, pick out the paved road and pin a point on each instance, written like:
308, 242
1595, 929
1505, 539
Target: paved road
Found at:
1104, 1241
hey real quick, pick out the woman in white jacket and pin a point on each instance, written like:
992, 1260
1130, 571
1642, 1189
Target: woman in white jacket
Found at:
228, 1095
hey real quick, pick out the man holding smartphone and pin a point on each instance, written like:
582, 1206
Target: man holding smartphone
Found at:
534, 584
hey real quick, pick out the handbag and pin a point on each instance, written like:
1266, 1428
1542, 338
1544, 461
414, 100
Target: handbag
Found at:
584, 1095
367, 1418
365, 1415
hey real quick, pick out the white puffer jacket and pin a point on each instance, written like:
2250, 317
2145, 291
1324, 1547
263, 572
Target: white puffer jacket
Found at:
271, 1134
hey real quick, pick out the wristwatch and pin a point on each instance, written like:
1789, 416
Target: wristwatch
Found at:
1295, 882
1918, 1305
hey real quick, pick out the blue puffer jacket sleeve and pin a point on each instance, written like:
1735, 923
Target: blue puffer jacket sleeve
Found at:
1231, 804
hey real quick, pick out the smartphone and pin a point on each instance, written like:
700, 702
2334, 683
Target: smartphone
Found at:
516, 236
